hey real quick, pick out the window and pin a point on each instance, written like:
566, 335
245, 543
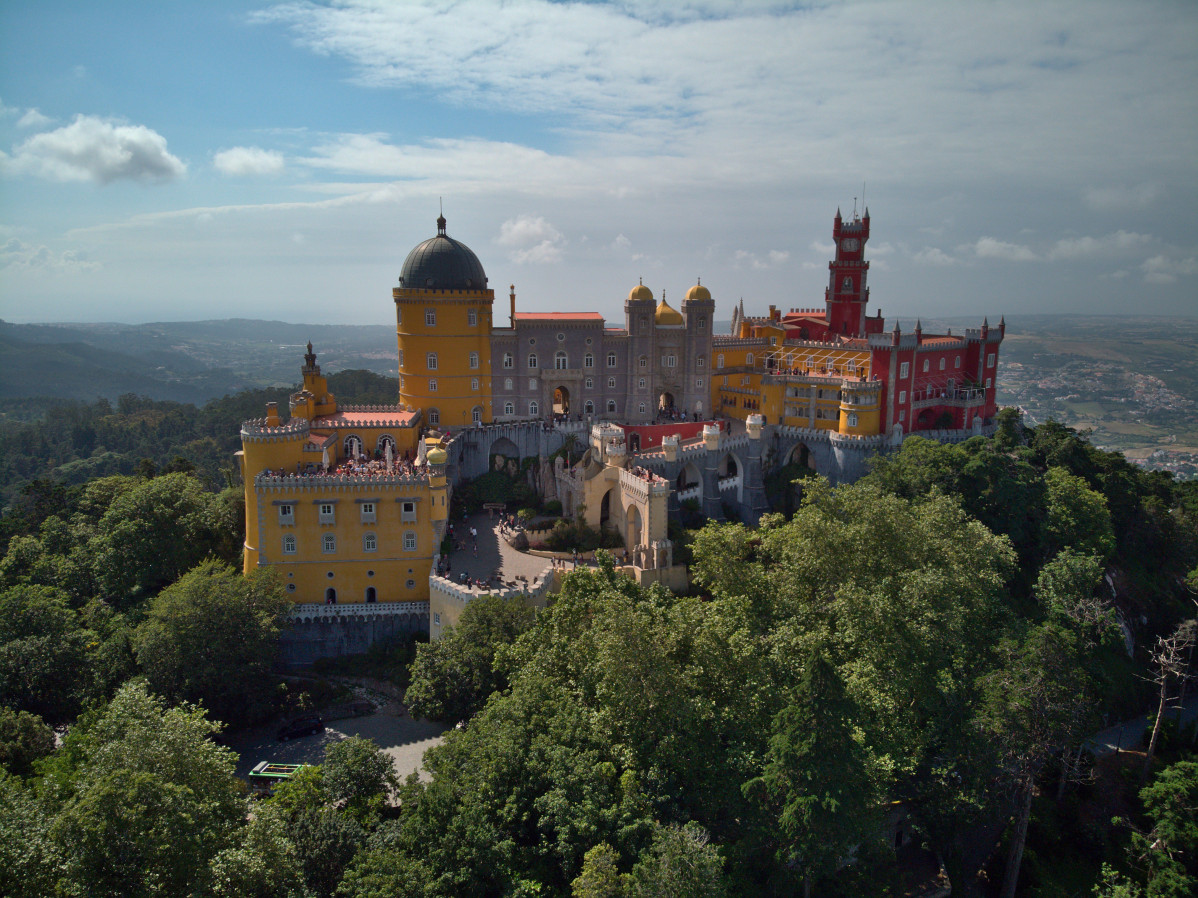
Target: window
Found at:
902, 397
286, 514
329, 543
474, 360
643, 362
401, 358
702, 323
507, 383
611, 360
561, 361
437, 618
852, 367
588, 361
409, 540
927, 365
534, 409
719, 360
407, 511
561, 338
670, 361
641, 408
370, 542
532, 360
611, 383
611, 405
957, 362
590, 383
289, 544
701, 362
432, 384
399, 316
368, 513
942, 364
372, 595
589, 407
641, 384
326, 513
532, 383
507, 360
773, 341
411, 584
472, 317
430, 317
509, 408
903, 415
474, 384
852, 419
434, 416
749, 359
987, 383
432, 361
699, 383
904, 369
990, 360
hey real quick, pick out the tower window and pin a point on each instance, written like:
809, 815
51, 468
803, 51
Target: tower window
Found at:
507, 383
904, 369
532, 360
927, 365
430, 317
641, 408
289, 544
561, 361
476, 415
611, 383
472, 317
957, 362
588, 361
370, 542
611, 360
699, 383
507, 360
409, 541
590, 383
432, 361
640, 384
669, 361
474, 360
990, 360
534, 409
401, 358
329, 543
902, 397
474, 384
532, 383
589, 407
611, 405
643, 362
432, 384
509, 408
702, 323
749, 359
852, 419
942, 364
701, 362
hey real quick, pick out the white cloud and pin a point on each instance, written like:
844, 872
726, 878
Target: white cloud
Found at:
1086, 247
1164, 270
530, 239
824, 250
621, 243
990, 248
1117, 198
773, 259
33, 119
95, 149
18, 255
931, 255
248, 161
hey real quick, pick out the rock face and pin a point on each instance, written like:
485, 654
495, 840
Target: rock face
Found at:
520, 543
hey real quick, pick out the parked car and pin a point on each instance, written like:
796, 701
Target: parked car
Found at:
301, 726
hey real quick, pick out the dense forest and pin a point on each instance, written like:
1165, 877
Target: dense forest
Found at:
942, 637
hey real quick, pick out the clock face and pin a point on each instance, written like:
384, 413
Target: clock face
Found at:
849, 244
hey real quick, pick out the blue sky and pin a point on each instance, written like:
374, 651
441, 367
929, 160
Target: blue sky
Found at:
185, 160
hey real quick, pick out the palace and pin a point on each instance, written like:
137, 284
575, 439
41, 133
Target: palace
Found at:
350, 504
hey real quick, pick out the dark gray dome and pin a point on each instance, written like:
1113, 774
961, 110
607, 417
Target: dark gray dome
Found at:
442, 263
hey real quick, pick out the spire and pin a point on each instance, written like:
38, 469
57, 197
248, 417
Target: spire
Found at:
441, 225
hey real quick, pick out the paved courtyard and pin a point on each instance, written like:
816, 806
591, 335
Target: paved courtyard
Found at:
493, 553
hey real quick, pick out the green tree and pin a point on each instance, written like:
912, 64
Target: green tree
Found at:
453, 677
1170, 848
600, 876
44, 663
30, 861
263, 863
24, 738
211, 638
358, 777
1077, 516
681, 863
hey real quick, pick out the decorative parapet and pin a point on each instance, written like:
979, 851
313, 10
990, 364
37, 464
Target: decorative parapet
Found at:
530, 593
711, 437
338, 481
642, 483
257, 430
303, 612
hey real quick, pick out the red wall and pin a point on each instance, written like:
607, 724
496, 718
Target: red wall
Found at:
651, 434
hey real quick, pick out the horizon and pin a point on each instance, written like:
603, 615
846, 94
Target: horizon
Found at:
277, 161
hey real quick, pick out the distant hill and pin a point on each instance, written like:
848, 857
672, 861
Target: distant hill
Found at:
192, 361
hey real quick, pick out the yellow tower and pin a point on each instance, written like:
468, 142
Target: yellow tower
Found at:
443, 327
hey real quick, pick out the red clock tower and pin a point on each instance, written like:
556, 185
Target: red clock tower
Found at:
847, 295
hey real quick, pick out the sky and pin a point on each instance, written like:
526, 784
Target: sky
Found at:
173, 161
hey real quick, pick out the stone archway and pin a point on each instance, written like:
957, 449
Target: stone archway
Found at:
801, 455
561, 401
353, 446
605, 508
689, 476
665, 402
633, 526
729, 466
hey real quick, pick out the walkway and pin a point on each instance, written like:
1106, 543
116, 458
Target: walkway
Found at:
1129, 735
493, 552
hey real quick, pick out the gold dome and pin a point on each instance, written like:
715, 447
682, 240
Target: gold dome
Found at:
640, 291
698, 292
437, 456
666, 314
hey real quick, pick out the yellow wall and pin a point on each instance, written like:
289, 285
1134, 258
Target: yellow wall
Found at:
453, 339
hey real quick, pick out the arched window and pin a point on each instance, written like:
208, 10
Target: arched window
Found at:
847, 285
507, 383
942, 364
957, 362
474, 384
329, 543
589, 407
432, 384
330, 596
370, 542
641, 408
927, 365
560, 361
509, 408
532, 360
611, 405
476, 414
590, 383
611, 383
701, 362
472, 317
640, 384
384, 441
611, 360
507, 360
643, 362
432, 361
434, 416
588, 361
474, 360
533, 408
371, 595
289, 544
